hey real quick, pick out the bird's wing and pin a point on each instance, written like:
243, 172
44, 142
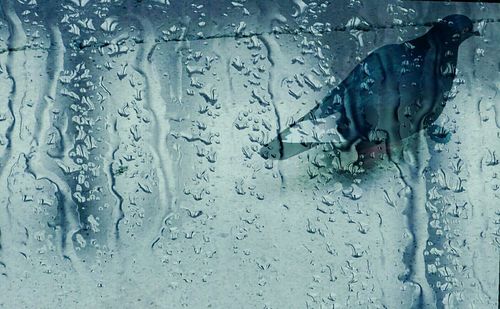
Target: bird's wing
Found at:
375, 98
348, 112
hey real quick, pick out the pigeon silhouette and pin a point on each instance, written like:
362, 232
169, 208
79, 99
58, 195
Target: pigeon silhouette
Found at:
396, 91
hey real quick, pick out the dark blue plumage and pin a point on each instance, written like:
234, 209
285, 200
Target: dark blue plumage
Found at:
393, 93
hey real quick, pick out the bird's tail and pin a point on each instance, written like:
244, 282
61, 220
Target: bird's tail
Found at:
308, 132
278, 149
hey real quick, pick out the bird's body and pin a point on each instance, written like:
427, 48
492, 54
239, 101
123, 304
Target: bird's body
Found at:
393, 93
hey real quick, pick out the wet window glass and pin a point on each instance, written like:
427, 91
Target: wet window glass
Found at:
249, 154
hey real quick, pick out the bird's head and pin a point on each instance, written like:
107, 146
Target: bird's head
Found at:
456, 27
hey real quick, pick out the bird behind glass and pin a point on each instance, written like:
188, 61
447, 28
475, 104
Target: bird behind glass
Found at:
396, 91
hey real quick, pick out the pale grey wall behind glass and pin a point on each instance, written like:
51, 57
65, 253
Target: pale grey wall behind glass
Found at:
130, 174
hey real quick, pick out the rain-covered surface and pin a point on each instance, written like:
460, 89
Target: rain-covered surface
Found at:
130, 173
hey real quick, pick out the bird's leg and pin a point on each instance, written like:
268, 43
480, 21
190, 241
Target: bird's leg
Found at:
369, 152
